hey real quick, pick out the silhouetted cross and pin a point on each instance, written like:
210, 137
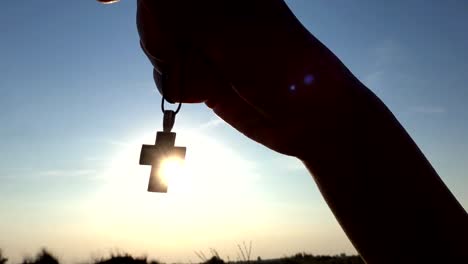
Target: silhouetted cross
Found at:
163, 149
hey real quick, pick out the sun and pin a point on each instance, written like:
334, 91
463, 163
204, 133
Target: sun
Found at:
210, 169
173, 173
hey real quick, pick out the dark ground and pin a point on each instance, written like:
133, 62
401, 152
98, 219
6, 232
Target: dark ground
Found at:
44, 257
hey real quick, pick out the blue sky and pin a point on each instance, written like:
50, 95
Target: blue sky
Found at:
77, 101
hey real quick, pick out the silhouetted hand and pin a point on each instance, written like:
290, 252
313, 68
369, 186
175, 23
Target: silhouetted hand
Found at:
256, 66
253, 63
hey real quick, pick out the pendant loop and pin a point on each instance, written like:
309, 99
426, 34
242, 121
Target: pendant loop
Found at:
163, 109
168, 120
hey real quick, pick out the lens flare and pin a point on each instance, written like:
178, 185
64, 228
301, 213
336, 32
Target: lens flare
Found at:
309, 79
108, 1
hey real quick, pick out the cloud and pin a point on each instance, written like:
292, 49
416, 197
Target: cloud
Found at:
210, 124
386, 52
373, 79
118, 143
383, 55
70, 172
429, 109
130, 143
291, 164
95, 159
18, 173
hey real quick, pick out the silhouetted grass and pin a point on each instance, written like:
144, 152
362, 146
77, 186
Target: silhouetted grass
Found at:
124, 259
45, 257
3, 260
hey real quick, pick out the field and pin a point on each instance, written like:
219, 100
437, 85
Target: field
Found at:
45, 257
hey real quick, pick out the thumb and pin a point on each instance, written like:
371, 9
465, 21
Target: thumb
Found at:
188, 78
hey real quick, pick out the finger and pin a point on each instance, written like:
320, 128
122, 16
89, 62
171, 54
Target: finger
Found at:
189, 79
157, 35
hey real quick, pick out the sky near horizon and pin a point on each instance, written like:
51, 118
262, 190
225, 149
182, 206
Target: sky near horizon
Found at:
78, 100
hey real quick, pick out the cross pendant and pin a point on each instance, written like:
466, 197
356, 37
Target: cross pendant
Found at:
163, 149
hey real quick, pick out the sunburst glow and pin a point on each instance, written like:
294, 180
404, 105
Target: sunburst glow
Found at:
172, 171
210, 169
205, 194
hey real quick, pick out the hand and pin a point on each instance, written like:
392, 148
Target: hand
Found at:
254, 64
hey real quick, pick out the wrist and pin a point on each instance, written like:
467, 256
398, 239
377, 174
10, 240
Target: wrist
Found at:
330, 104
334, 129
